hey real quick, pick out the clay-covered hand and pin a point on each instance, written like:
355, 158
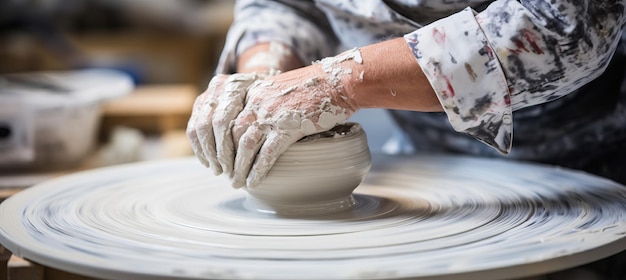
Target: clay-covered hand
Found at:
278, 112
242, 123
211, 120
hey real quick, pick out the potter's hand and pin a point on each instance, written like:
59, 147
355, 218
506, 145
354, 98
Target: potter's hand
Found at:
242, 123
278, 112
209, 127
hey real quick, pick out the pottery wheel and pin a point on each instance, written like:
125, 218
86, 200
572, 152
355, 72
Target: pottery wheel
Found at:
415, 217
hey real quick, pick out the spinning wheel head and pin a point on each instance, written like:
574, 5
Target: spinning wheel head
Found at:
485, 219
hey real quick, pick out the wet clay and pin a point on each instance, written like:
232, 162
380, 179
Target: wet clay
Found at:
316, 175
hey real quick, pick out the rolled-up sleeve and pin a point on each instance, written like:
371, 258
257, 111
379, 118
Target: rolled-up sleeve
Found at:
298, 24
483, 66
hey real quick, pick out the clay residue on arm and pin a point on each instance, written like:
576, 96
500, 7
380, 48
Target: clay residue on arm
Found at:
385, 75
268, 58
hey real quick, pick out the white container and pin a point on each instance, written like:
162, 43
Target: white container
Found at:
49, 120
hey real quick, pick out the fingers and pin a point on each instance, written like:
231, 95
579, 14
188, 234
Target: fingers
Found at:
230, 104
210, 126
204, 125
224, 147
243, 121
249, 145
191, 130
275, 145
204, 130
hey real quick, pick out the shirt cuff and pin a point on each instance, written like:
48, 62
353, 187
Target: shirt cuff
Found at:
265, 26
237, 41
464, 72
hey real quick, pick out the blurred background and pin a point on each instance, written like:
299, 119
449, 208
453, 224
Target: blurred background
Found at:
91, 83
155, 41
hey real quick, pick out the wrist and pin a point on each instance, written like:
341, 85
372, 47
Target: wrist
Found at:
268, 58
339, 74
350, 87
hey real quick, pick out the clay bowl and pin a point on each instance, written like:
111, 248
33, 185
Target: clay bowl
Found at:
316, 175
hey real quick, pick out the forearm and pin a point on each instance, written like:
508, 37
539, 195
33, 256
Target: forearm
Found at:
389, 77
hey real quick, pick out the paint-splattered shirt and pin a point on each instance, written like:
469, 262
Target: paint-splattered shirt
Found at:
484, 59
